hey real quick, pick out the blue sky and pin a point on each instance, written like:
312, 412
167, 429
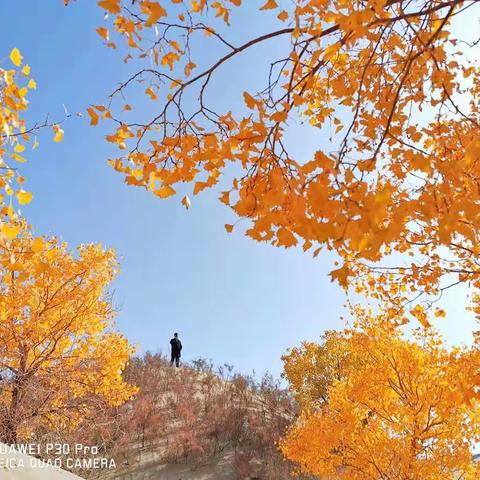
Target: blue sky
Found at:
231, 299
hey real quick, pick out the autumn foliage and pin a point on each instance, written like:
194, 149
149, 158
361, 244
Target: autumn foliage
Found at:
397, 410
15, 135
394, 192
390, 83
58, 353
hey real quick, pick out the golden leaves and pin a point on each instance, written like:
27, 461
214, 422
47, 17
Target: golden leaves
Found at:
24, 197
188, 68
16, 57
38, 245
112, 6
186, 202
10, 230
104, 33
225, 198
14, 140
198, 187
384, 185
154, 11
66, 331
93, 116
341, 275
249, 100
58, 137
169, 59
285, 238
151, 93
419, 313
269, 5
472, 152
165, 191
371, 389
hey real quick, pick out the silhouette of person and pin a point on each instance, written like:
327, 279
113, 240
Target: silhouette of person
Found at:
176, 345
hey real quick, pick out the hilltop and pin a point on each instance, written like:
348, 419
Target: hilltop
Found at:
195, 422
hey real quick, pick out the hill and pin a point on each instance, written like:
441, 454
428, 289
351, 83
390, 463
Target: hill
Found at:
195, 422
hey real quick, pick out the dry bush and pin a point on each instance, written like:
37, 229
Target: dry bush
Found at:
193, 414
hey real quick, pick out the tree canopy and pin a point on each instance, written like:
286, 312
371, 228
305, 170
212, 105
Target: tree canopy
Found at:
398, 411
390, 81
58, 352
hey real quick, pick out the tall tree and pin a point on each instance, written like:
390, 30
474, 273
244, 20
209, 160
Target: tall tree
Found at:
391, 83
398, 411
59, 354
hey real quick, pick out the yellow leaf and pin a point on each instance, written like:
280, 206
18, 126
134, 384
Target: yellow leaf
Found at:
341, 275
58, 133
199, 186
26, 70
419, 313
228, 227
151, 93
93, 116
186, 202
195, 6
249, 100
332, 50
104, 33
10, 231
154, 11
188, 68
18, 158
32, 84
165, 191
283, 16
111, 6
270, 5
19, 148
38, 245
16, 57
286, 238
41, 267
24, 197
225, 198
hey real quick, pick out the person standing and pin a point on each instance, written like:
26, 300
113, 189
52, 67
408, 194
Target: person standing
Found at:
176, 346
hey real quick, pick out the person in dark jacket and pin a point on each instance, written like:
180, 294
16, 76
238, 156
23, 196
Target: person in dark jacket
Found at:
176, 345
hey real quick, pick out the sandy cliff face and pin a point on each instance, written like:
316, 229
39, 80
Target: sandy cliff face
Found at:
197, 423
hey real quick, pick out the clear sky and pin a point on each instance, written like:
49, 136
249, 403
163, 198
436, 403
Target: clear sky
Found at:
231, 299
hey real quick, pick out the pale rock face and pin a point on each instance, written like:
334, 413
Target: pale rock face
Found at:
15, 465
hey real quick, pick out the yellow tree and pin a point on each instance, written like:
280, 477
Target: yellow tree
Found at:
59, 354
390, 82
398, 411
321, 365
